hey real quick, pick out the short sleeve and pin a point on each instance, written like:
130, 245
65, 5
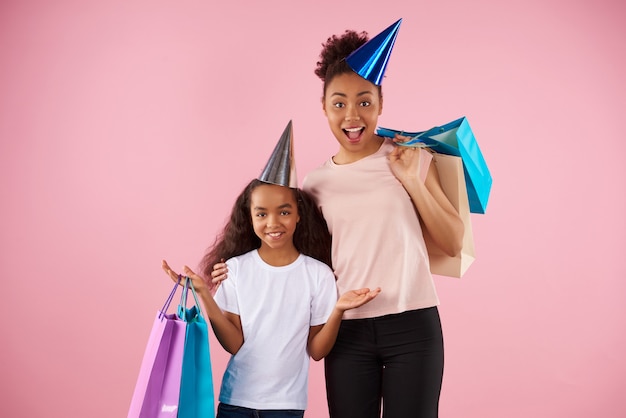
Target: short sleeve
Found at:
325, 298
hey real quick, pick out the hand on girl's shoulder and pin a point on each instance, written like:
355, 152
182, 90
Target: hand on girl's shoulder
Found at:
219, 273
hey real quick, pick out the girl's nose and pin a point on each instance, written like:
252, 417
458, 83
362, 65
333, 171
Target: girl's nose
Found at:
271, 220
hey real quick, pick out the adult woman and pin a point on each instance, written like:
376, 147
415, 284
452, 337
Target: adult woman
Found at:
369, 192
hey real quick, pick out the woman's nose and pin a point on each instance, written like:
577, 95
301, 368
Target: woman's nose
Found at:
352, 113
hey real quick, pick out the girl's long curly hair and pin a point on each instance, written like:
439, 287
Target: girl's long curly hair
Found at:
334, 52
238, 237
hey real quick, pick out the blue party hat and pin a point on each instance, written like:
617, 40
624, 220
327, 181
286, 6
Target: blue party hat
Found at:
281, 168
370, 59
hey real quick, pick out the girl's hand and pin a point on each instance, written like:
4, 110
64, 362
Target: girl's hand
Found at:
355, 298
219, 273
198, 282
173, 275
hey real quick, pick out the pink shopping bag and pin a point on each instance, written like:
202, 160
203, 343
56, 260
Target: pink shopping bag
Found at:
157, 389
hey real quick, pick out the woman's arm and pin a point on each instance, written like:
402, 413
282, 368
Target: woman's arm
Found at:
226, 325
322, 337
435, 210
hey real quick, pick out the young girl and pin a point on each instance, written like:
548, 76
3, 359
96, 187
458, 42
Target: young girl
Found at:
376, 197
280, 304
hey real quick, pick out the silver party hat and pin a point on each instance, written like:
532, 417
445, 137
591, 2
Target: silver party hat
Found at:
370, 59
281, 167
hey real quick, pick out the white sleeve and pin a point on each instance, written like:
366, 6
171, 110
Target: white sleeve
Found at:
324, 300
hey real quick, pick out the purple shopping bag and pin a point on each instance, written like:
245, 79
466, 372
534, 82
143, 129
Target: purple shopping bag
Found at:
158, 385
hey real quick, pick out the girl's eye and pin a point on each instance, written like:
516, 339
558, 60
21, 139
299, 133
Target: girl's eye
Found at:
285, 213
260, 215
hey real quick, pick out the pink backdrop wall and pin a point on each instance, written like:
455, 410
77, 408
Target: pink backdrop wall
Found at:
122, 122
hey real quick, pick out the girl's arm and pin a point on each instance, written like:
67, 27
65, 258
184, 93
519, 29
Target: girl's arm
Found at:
322, 337
226, 325
435, 210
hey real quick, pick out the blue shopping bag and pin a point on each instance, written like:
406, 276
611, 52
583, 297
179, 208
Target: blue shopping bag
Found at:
196, 384
456, 138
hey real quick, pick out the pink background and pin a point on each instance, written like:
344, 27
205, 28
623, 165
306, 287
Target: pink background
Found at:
127, 127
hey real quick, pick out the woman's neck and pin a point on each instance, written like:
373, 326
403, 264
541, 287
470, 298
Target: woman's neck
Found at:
345, 156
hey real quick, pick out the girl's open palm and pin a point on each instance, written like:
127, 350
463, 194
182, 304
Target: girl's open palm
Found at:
355, 298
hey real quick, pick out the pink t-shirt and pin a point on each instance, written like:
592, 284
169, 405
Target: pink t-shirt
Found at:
377, 238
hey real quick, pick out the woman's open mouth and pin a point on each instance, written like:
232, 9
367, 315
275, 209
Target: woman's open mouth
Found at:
354, 134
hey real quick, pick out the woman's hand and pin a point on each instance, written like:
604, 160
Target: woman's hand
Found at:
219, 273
355, 298
406, 162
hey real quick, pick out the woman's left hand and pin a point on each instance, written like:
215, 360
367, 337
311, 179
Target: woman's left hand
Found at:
405, 162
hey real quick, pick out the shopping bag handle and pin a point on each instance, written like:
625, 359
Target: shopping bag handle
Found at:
183, 299
166, 306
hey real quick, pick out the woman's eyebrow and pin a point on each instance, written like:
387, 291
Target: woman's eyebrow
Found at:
358, 94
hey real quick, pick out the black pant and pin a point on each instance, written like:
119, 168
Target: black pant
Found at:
397, 358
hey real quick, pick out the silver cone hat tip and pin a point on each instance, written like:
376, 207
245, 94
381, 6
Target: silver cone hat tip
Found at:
281, 168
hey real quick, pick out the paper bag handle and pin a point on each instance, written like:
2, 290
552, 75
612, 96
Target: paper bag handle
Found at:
183, 300
166, 306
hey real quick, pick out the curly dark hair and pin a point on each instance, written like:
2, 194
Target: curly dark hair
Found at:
237, 237
334, 52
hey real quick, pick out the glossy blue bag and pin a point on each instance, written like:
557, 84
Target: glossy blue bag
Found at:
456, 138
197, 398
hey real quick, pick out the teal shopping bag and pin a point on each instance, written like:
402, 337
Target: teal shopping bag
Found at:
196, 384
456, 138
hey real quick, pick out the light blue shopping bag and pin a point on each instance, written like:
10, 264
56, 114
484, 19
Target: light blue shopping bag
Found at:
196, 385
456, 138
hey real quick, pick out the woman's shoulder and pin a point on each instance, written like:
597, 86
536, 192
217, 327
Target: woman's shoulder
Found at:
318, 175
386, 146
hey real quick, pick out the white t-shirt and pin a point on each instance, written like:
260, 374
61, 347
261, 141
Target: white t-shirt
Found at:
277, 305
377, 237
